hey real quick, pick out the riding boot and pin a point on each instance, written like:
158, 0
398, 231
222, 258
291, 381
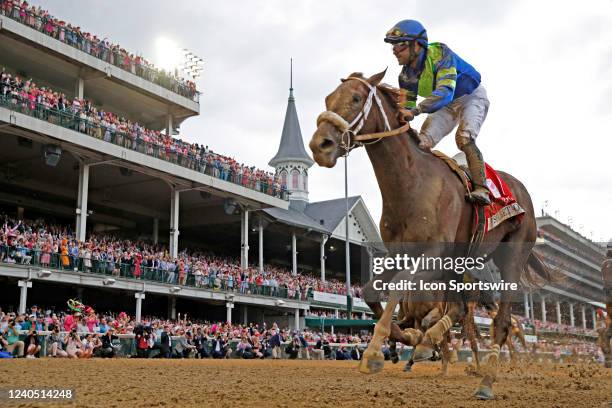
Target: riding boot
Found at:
480, 193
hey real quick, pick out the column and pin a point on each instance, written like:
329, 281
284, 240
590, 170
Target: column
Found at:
228, 313
171, 308
174, 223
155, 230
169, 125
244, 235
261, 265
139, 297
81, 210
594, 317
531, 308
583, 315
572, 321
558, 307
324, 239
526, 302
297, 319
293, 254
363, 315
245, 316
79, 88
543, 304
370, 250
23, 294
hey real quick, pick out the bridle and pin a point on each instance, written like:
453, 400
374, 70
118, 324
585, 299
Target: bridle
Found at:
351, 138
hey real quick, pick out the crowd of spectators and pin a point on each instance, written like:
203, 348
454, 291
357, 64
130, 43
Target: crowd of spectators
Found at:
82, 116
41, 243
101, 48
91, 334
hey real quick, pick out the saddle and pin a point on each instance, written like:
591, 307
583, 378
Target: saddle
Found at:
503, 204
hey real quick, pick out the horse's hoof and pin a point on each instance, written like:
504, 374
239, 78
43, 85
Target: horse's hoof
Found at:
484, 393
372, 364
422, 351
395, 358
408, 368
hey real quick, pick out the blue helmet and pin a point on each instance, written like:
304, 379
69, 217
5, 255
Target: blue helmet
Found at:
407, 30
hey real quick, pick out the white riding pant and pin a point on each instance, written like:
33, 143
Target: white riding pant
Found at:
467, 111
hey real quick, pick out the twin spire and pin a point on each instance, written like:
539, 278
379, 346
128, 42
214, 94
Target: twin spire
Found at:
291, 160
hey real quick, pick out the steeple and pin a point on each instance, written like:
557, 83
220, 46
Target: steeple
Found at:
292, 161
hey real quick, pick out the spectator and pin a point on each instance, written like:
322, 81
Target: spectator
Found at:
14, 345
32, 344
107, 349
55, 344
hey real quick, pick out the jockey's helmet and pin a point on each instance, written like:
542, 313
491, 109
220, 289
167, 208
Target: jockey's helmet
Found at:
407, 30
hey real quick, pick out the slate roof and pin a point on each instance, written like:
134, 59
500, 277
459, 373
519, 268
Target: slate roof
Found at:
292, 145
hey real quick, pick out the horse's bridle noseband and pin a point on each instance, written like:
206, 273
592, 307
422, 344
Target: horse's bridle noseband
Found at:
350, 138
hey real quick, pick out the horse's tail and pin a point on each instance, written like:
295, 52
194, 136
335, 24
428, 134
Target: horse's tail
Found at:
536, 273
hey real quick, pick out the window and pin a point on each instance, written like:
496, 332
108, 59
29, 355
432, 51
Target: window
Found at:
295, 177
305, 180
283, 176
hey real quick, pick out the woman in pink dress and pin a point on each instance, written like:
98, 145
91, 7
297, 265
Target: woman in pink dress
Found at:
45, 259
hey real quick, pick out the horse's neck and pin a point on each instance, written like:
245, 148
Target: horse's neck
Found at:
399, 165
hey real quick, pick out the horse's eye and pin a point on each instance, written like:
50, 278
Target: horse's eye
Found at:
356, 98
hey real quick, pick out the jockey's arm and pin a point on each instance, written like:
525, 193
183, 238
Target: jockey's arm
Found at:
446, 79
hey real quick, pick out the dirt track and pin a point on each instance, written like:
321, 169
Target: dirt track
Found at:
239, 383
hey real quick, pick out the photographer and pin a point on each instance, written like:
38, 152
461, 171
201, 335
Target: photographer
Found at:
90, 344
74, 347
220, 348
293, 349
107, 349
244, 348
14, 345
33, 344
55, 346
201, 343
183, 347
142, 342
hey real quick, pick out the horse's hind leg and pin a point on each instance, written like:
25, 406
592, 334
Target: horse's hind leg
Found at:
511, 265
470, 325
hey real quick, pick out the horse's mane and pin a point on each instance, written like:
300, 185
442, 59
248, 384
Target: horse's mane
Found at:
390, 92
386, 88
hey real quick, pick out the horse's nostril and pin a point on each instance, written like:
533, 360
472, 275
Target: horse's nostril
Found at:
326, 144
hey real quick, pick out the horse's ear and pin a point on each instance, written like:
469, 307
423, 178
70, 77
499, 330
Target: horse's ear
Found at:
353, 75
376, 78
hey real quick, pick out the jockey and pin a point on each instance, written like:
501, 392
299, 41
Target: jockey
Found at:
452, 91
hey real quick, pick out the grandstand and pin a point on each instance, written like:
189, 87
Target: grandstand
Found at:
91, 149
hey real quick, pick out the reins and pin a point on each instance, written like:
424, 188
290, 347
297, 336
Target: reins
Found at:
348, 143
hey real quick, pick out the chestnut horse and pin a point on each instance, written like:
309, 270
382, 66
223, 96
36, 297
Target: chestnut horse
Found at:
423, 202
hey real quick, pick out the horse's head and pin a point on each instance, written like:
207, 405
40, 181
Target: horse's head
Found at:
346, 114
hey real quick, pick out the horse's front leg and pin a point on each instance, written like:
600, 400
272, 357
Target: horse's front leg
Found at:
373, 358
502, 327
470, 328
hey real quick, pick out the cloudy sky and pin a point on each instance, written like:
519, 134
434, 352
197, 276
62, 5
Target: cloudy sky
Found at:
547, 67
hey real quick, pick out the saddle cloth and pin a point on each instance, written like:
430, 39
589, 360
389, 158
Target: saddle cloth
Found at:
503, 204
